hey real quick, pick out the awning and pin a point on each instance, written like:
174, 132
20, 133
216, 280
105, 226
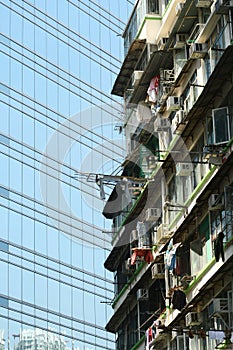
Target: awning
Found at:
117, 201
128, 67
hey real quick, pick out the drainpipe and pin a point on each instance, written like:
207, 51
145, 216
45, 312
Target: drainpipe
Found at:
184, 339
165, 220
167, 287
166, 275
163, 194
138, 310
230, 25
199, 13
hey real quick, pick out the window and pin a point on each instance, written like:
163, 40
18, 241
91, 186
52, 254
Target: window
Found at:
153, 6
15, 288
221, 125
199, 166
200, 247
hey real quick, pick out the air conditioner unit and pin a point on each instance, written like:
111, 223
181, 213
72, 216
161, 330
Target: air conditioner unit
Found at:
162, 42
165, 91
161, 124
197, 50
152, 162
153, 214
189, 100
178, 122
157, 271
179, 7
220, 305
128, 268
216, 202
142, 294
180, 116
137, 74
162, 234
133, 236
183, 169
180, 41
173, 103
203, 3
167, 76
193, 319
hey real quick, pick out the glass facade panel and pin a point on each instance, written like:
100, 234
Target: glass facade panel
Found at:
59, 59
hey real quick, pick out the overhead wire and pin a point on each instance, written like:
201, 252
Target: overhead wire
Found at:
79, 79
74, 139
97, 97
46, 204
92, 87
85, 231
94, 16
96, 104
66, 80
106, 11
53, 176
92, 131
89, 49
72, 31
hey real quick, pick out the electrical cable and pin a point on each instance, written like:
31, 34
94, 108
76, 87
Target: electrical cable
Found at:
74, 139
101, 8
89, 49
57, 68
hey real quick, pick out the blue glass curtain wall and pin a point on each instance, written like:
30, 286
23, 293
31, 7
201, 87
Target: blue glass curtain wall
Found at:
59, 60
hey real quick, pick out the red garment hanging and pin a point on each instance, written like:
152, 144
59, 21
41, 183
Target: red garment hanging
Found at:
142, 254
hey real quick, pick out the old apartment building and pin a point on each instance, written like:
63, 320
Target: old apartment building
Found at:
172, 207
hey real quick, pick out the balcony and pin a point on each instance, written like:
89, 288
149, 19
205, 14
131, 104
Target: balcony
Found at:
142, 22
199, 294
125, 299
128, 67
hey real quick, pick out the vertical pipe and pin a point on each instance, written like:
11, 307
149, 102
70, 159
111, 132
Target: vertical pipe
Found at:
138, 310
163, 194
167, 287
168, 344
184, 340
230, 24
